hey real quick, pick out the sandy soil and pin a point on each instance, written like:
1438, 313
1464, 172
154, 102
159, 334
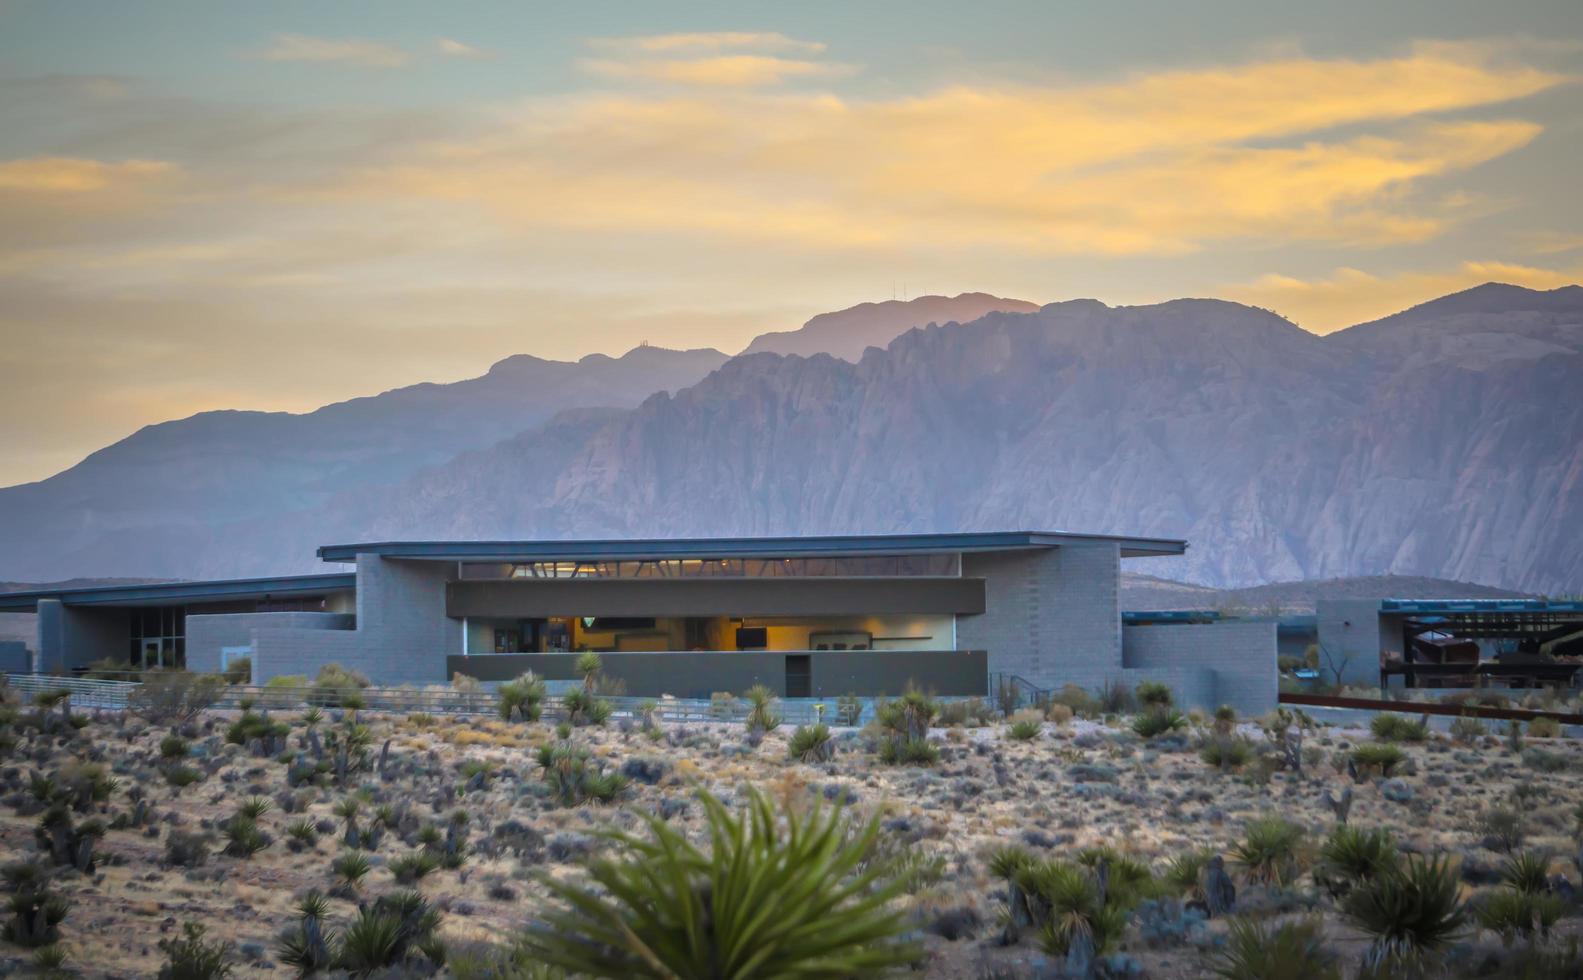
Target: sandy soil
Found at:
1078, 785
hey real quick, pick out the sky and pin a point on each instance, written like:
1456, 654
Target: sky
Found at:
210, 205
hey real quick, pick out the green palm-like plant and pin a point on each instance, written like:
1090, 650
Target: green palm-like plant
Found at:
1025, 730
1065, 900
810, 743
351, 867
1294, 951
775, 896
761, 714
522, 698
1269, 850
1528, 871
1159, 720
1413, 913
1512, 913
1352, 855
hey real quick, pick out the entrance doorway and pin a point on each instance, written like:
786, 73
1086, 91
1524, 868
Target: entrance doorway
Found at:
151, 655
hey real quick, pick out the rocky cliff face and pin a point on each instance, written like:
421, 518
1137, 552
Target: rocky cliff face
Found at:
1445, 441
848, 333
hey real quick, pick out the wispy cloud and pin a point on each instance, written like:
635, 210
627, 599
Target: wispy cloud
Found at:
349, 51
705, 42
452, 48
1348, 296
73, 175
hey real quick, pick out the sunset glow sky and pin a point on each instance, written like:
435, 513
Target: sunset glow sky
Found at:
227, 205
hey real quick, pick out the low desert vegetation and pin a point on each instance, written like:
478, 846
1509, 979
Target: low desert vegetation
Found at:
1106, 833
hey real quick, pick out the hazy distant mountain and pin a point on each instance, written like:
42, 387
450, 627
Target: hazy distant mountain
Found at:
847, 333
159, 502
1446, 441
1278, 454
1148, 592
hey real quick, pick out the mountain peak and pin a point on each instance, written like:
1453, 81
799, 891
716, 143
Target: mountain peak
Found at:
847, 333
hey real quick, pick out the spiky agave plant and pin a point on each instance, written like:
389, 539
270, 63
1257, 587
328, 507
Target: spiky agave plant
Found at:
1269, 850
776, 895
1351, 856
1293, 951
1413, 913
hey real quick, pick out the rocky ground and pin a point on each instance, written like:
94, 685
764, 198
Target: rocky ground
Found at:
1078, 784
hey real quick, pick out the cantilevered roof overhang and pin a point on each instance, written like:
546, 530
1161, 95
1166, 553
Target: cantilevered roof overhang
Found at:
182, 593
769, 547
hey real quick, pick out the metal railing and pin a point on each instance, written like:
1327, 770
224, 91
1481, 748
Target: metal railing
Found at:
84, 693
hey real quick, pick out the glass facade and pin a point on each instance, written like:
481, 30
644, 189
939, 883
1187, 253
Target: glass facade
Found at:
158, 636
866, 566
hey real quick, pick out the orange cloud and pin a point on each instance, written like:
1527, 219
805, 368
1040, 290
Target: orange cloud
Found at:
737, 70
707, 42
325, 50
1349, 296
71, 175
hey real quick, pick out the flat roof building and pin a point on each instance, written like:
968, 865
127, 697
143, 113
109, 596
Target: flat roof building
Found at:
808, 616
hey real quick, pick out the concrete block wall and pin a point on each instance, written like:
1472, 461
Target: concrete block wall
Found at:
74, 636
15, 657
1051, 616
1193, 687
1350, 640
207, 634
402, 635
1239, 654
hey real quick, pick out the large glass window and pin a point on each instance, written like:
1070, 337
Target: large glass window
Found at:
158, 636
905, 566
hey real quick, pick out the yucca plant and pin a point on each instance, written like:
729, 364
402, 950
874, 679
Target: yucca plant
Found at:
35, 912
775, 895
1158, 720
1227, 752
414, 867
1293, 951
1025, 730
811, 743
1067, 906
1269, 850
1381, 757
1413, 913
1351, 856
1527, 871
255, 806
1154, 694
309, 946
909, 752
244, 838
302, 831
762, 715
351, 867
522, 698
573, 776
1394, 728
1184, 873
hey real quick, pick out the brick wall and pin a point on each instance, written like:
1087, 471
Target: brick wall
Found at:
402, 637
1050, 616
208, 633
1238, 655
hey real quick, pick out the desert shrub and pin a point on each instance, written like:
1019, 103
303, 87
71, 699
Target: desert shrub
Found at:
1269, 851
810, 743
1058, 713
1412, 914
414, 867
111, 669
1225, 720
50, 961
848, 710
1115, 698
1081, 702
965, 713
762, 716
1352, 855
908, 752
584, 707
1025, 730
1544, 728
1380, 757
1154, 694
1158, 721
186, 849
1395, 728
173, 697
1467, 729
575, 778
238, 671
1227, 752
193, 958
280, 681
255, 806
1543, 760
772, 897
1291, 951
336, 685
1513, 913
1503, 827
302, 831
522, 698
173, 747
1184, 872
35, 912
